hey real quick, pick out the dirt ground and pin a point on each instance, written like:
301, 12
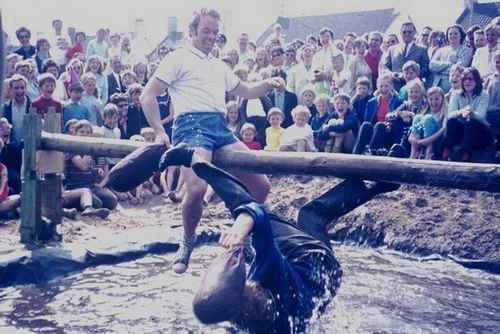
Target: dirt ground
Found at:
416, 220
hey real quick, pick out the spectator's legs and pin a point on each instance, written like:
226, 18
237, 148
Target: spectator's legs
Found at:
454, 133
379, 137
10, 203
301, 146
109, 200
364, 136
477, 136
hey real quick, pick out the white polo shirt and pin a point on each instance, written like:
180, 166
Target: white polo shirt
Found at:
196, 82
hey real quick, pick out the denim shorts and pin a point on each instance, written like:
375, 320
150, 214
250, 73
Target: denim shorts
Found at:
202, 129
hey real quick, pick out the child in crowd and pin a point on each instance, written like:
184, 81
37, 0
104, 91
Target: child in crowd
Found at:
135, 116
121, 102
73, 109
411, 71
128, 78
456, 71
415, 104
320, 119
274, 133
81, 171
358, 66
148, 134
299, 136
110, 128
69, 127
429, 126
361, 97
45, 101
248, 132
95, 65
8, 204
90, 100
307, 97
343, 127
341, 78
234, 118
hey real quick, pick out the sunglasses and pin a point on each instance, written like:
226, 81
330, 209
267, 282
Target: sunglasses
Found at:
122, 105
468, 79
24, 36
407, 32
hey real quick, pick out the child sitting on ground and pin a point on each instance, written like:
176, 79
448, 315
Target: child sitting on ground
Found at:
299, 136
361, 97
320, 119
456, 71
411, 71
343, 127
275, 118
8, 204
307, 97
248, 132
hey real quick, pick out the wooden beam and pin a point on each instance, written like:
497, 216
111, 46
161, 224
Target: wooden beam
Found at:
482, 177
31, 224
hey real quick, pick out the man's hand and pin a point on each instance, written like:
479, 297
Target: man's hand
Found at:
162, 138
276, 83
236, 234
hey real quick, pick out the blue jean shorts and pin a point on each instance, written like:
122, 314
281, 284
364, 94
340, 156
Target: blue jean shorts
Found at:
202, 129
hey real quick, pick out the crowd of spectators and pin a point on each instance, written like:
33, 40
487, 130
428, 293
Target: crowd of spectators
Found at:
436, 94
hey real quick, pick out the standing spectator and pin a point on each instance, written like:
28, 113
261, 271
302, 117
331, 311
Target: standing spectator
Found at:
243, 51
307, 98
98, 46
89, 99
128, 79
319, 120
114, 45
467, 126
126, 52
26, 50
358, 66
493, 88
10, 64
484, 59
74, 109
428, 127
455, 81
121, 102
135, 115
469, 40
57, 25
73, 73
33, 89
301, 74
398, 55
261, 59
115, 84
411, 71
78, 48
42, 53
277, 58
15, 109
341, 77
436, 41
110, 128
480, 39
322, 61
389, 41
424, 39
455, 53
374, 54
59, 52
95, 65
46, 100
290, 59
141, 71
283, 99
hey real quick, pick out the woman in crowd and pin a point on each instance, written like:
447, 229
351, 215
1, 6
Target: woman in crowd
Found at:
359, 67
455, 53
141, 71
42, 53
467, 127
428, 127
73, 73
78, 47
234, 118
95, 65
261, 59
89, 98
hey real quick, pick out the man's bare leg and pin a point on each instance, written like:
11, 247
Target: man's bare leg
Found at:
257, 184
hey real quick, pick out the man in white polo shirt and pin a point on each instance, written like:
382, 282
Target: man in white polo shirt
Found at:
197, 83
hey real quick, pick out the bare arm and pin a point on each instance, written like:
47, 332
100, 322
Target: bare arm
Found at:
154, 88
257, 89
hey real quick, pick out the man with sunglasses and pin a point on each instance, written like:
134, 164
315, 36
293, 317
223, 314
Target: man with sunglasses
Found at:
398, 55
26, 50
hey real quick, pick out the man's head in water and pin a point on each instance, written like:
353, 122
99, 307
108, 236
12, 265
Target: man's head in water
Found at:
204, 28
257, 310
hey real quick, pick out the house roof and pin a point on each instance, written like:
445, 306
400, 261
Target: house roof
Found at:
481, 14
340, 23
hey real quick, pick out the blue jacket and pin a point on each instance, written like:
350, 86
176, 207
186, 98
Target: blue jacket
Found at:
373, 105
7, 112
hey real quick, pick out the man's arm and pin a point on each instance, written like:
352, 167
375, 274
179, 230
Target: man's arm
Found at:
154, 88
257, 89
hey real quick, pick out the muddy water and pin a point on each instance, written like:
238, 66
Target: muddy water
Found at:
381, 292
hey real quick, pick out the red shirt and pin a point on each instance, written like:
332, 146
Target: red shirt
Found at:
253, 145
42, 106
373, 62
383, 108
77, 48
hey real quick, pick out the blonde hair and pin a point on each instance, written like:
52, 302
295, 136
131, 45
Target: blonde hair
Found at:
99, 60
248, 126
146, 131
416, 83
137, 138
301, 110
308, 88
385, 76
110, 110
83, 123
322, 97
444, 106
134, 88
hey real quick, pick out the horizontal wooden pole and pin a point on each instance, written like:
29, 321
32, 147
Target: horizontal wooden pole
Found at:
482, 177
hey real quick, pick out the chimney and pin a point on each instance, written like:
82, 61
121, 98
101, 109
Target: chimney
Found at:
171, 25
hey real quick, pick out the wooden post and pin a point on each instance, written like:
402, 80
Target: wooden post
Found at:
31, 224
50, 164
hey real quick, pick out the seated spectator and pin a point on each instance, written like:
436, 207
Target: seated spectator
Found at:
428, 127
319, 120
299, 136
148, 134
234, 118
283, 99
26, 50
46, 100
247, 134
15, 109
493, 88
50, 66
307, 97
10, 64
361, 97
135, 116
11, 156
343, 127
341, 77
89, 98
8, 204
467, 127
274, 132
78, 47
69, 127
74, 108
411, 71
372, 132
455, 80
33, 89
81, 172
455, 53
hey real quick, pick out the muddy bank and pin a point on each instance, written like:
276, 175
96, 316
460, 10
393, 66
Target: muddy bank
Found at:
416, 220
